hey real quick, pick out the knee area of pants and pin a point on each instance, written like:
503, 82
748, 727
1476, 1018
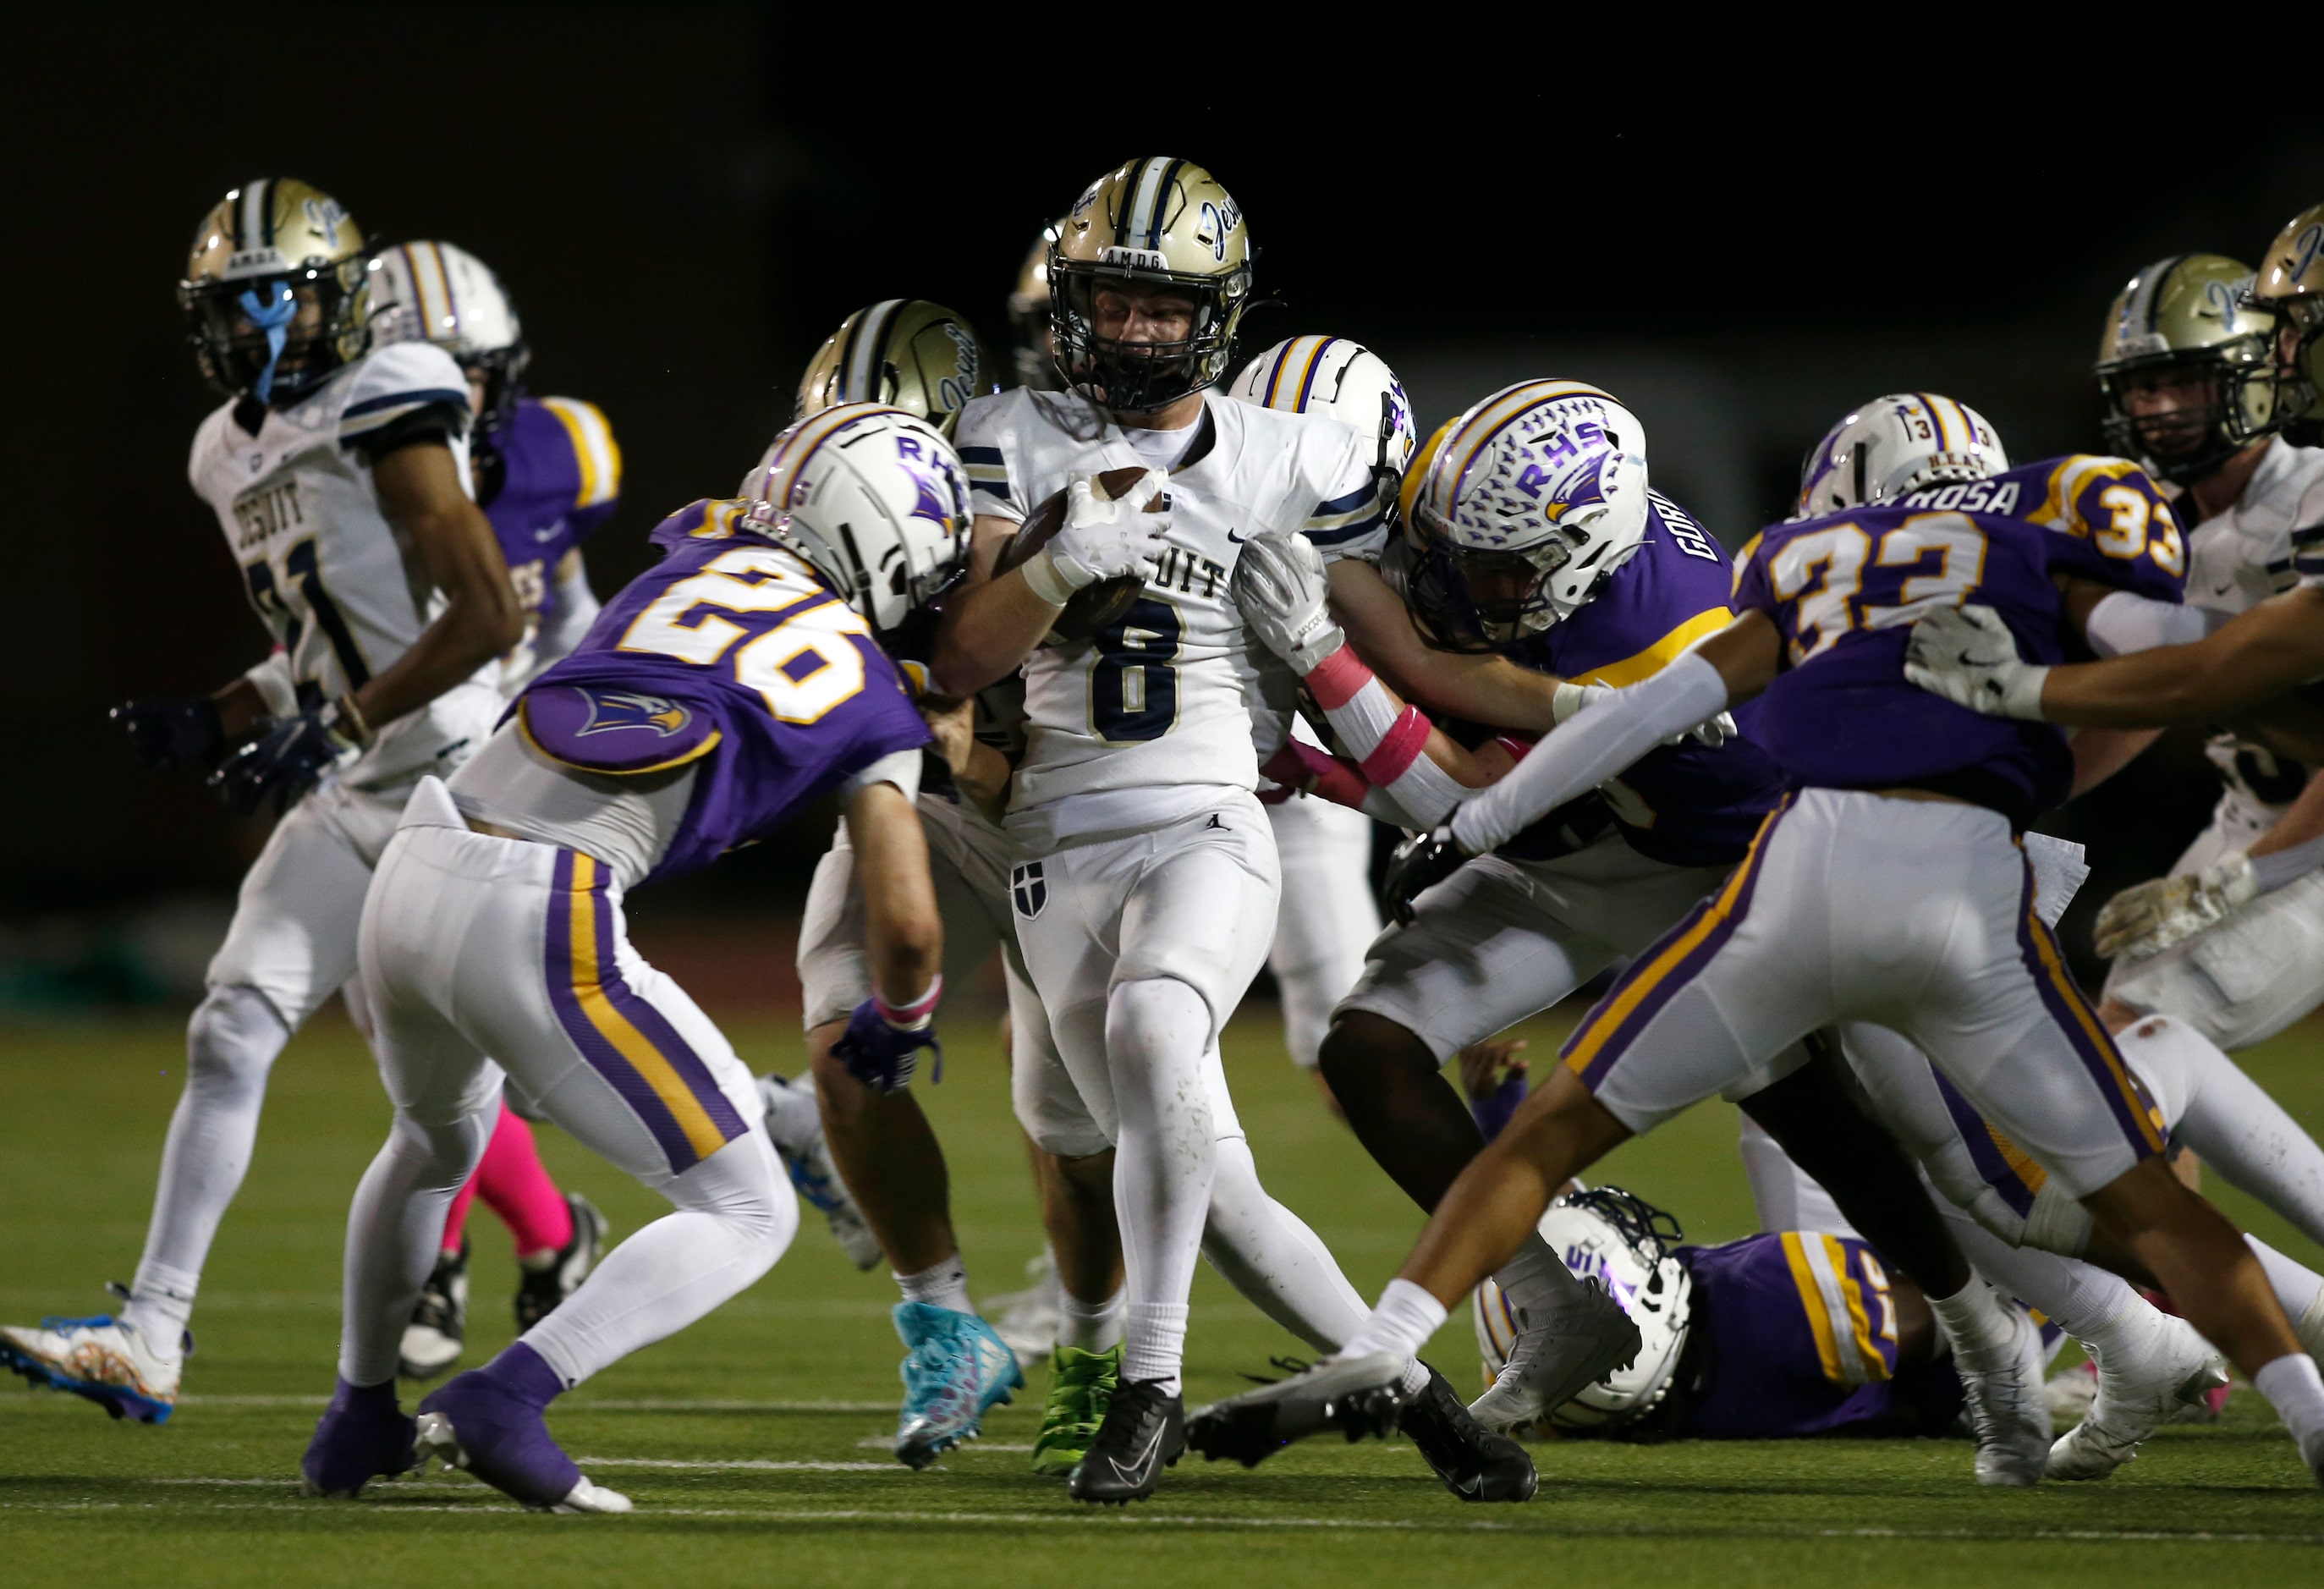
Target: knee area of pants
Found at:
234, 1035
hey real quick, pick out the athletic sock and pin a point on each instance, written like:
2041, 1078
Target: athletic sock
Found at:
160, 1302
521, 1371
2292, 1388
940, 1285
1154, 1344
515, 1185
1402, 1324
1975, 1319
1090, 1326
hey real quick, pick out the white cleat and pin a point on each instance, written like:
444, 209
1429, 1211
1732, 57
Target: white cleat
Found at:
795, 1126
1556, 1357
102, 1358
586, 1497
2005, 1403
2141, 1385
1029, 1319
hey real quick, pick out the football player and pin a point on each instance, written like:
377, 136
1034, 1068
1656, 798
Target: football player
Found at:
339, 475
1894, 800
726, 690
1145, 891
548, 474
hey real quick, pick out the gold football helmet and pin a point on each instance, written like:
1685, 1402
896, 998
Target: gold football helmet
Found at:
1159, 223
2186, 316
2291, 287
1029, 316
274, 292
903, 353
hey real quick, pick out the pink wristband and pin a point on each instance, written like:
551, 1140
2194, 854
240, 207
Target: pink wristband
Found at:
1337, 678
913, 1015
1317, 772
1399, 747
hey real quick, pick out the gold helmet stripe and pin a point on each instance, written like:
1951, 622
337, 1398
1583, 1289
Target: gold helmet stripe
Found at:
1461, 449
861, 357
793, 454
1937, 418
1312, 348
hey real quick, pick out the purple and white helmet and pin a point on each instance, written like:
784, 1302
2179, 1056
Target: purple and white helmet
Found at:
875, 500
1536, 494
1625, 1244
1892, 447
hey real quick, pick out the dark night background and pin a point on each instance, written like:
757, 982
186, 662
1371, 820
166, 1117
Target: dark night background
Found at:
685, 200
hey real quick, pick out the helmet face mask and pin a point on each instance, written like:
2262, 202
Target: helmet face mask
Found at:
275, 292
2185, 366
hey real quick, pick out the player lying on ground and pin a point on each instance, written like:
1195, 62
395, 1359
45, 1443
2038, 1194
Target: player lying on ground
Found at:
715, 698
338, 473
547, 475
1896, 801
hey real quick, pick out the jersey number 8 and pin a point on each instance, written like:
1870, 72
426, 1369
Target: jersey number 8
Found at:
1133, 687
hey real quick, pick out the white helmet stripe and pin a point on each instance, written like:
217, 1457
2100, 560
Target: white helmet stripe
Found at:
1144, 220
257, 215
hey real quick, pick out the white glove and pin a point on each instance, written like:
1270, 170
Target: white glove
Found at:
1968, 655
1103, 538
1571, 697
2150, 917
1280, 585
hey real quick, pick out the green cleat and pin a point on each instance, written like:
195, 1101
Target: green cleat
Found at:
1081, 1387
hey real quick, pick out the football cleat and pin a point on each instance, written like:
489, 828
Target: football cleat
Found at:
1557, 1357
2141, 1386
1029, 1319
474, 1423
1081, 1388
795, 1126
956, 1370
440, 1321
101, 1358
2006, 1409
363, 1435
1357, 1396
1143, 1432
539, 1290
1475, 1463
2069, 1392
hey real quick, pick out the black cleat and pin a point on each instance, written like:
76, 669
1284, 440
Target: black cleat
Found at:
1356, 1396
1144, 1432
539, 1290
432, 1341
1475, 1463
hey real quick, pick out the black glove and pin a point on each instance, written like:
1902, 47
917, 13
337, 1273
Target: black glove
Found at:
283, 762
166, 733
1419, 864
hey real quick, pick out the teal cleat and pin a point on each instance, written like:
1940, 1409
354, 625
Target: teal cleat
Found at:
956, 1368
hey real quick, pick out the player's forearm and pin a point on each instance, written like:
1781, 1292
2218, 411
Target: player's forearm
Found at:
2277, 646
2101, 752
574, 606
982, 778
2301, 821
1488, 690
987, 634
478, 622
903, 936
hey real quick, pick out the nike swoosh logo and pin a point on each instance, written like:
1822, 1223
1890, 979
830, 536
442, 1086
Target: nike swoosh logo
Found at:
1238, 540
551, 533
1128, 1475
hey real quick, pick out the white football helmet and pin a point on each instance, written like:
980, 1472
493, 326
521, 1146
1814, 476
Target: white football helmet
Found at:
1537, 495
875, 500
441, 293
1344, 381
1627, 1246
1893, 446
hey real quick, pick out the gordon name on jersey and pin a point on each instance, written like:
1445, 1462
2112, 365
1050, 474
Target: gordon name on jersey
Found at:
327, 573
1165, 698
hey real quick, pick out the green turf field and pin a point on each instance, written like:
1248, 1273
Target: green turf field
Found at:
748, 1442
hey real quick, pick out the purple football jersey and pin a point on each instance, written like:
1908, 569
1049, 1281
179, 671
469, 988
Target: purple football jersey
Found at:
1845, 589
733, 655
559, 480
1797, 1336
1685, 804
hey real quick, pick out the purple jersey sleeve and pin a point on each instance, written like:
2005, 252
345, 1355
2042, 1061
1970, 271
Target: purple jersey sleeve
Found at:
1686, 804
560, 480
739, 633
2122, 530
1800, 1338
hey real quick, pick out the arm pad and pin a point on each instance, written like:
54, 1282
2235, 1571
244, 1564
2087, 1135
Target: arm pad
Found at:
1590, 747
2123, 623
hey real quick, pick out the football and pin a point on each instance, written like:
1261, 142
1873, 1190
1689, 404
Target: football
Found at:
1093, 607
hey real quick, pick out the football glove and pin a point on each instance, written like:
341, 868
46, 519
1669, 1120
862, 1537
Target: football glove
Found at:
883, 1054
1420, 864
1968, 655
1281, 588
2148, 918
167, 733
1103, 538
1571, 697
286, 760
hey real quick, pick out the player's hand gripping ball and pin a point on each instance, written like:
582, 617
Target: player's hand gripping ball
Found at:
1092, 539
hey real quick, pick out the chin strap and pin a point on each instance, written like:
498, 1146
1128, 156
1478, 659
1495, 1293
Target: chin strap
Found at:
274, 319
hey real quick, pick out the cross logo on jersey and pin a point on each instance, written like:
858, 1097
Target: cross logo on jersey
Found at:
1028, 889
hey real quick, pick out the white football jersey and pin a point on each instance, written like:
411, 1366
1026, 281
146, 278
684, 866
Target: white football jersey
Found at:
1175, 700
2238, 559
319, 561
